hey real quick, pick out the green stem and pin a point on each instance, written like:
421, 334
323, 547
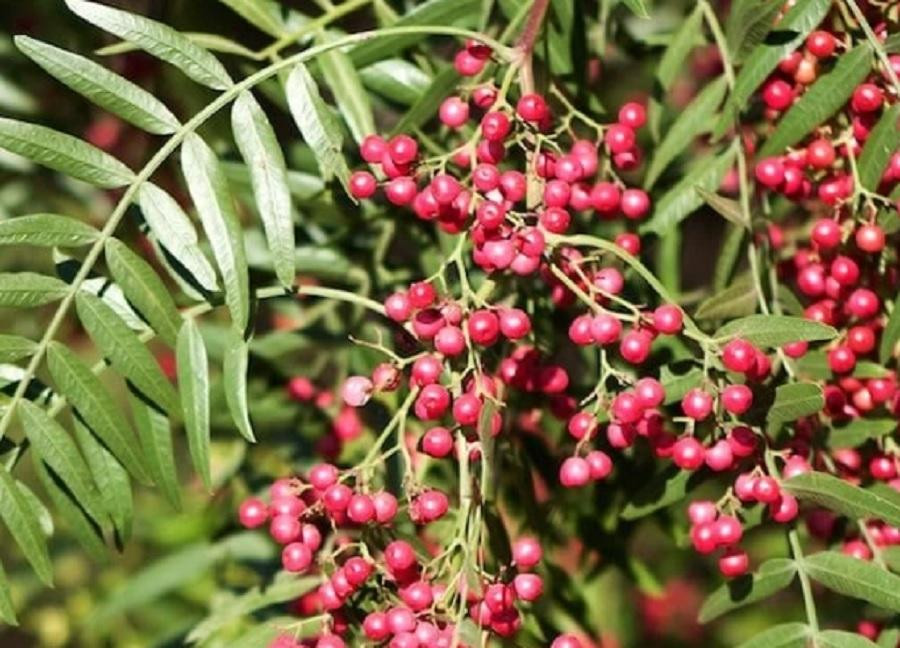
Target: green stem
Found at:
170, 146
876, 44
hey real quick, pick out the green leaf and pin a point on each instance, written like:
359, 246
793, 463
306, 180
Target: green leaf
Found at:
890, 335
666, 488
144, 289
432, 12
794, 401
882, 142
87, 394
775, 330
738, 300
104, 88
843, 639
727, 208
46, 230
157, 39
677, 385
263, 14
111, 480
41, 512
682, 199
843, 497
23, 526
63, 153
175, 232
891, 556
748, 23
214, 203
790, 32
156, 443
427, 104
85, 530
13, 347
822, 100
235, 370
892, 46
125, 351
346, 87
396, 80
772, 576
856, 578
259, 147
193, 382
693, 120
7, 611
167, 574
638, 8
28, 289
784, 635
672, 62
317, 125
57, 449
860, 430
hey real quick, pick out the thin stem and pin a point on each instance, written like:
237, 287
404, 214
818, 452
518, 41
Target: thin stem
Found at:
527, 39
876, 44
333, 13
169, 147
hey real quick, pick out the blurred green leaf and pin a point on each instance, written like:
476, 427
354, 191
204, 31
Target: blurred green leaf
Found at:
860, 430
775, 330
235, 370
727, 208
426, 106
737, 300
855, 578
664, 489
684, 40
263, 14
23, 526
396, 80
785, 635
748, 23
7, 612
346, 87
193, 381
882, 142
772, 576
156, 441
843, 639
842, 497
891, 334
14, 347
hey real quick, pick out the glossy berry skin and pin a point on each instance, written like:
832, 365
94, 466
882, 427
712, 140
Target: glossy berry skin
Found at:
372, 149
362, 184
527, 552
820, 154
738, 355
820, 44
633, 115
296, 557
514, 323
403, 149
532, 107
528, 587
867, 98
697, 404
770, 172
826, 233
688, 453
437, 442
870, 238
483, 327
574, 472
702, 511
668, 319
727, 530
495, 126
635, 346
734, 562
737, 399
454, 112
253, 513
399, 556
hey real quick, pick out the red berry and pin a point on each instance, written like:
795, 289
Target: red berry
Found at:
600, 464
619, 138
867, 98
697, 404
777, 94
495, 126
820, 154
527, 552
398, 307
734, 562
532, 107
702, 511
770, 172
820, 44
403, 149
635, 346
727, 530
362, 184
668, 319
635, 203
514, 323
738, 355
372, 149
253, 513
633, 115
826, 233
688, 453
574, 472
870, 238
296, 557
483, 327
467, 64
454, 112
399, 556
737, 399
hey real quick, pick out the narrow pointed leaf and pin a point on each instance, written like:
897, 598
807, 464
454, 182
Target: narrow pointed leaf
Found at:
156, 441
87, 394
855, 578
193, 382
427, 105
28, 289
264, 14
63, 153
775, 330
794, 401
882, 142
157, 39
46, 230
683, 41
669, 486
772, 576
727, 208
111, 480
791, 31
13, 347
56, 448
842, 497
860, 430
352, 101
235, 369
843, 639
749, 21
144, 289
824, 98
316, 123
85, 530
175, 232
259, 147
41, 512
891, 334
737, 300
23, 526
397, 80
125, 351
215, 205
785, 635
104, 88
7, 611
694, 119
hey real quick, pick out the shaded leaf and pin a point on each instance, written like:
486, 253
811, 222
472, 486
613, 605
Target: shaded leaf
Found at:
107, 89
684, 40
785, 635
156, 442
144, 289
638, 8
23, 526
772, 576
14, 347
427, 104
176, 233
46, 230
193, 382
214, 203
843, 497
7, 612
891, 334
157, 39
28, 289
855, 578
64, 153
727, 208
738, 300
396, 80
235, 370
748, 23
794, 401
843, 639
664, 489
352, 101
882, 142
317, 125
860, 430
821, 100
125, 351
263, 14
260, 149
775, 330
